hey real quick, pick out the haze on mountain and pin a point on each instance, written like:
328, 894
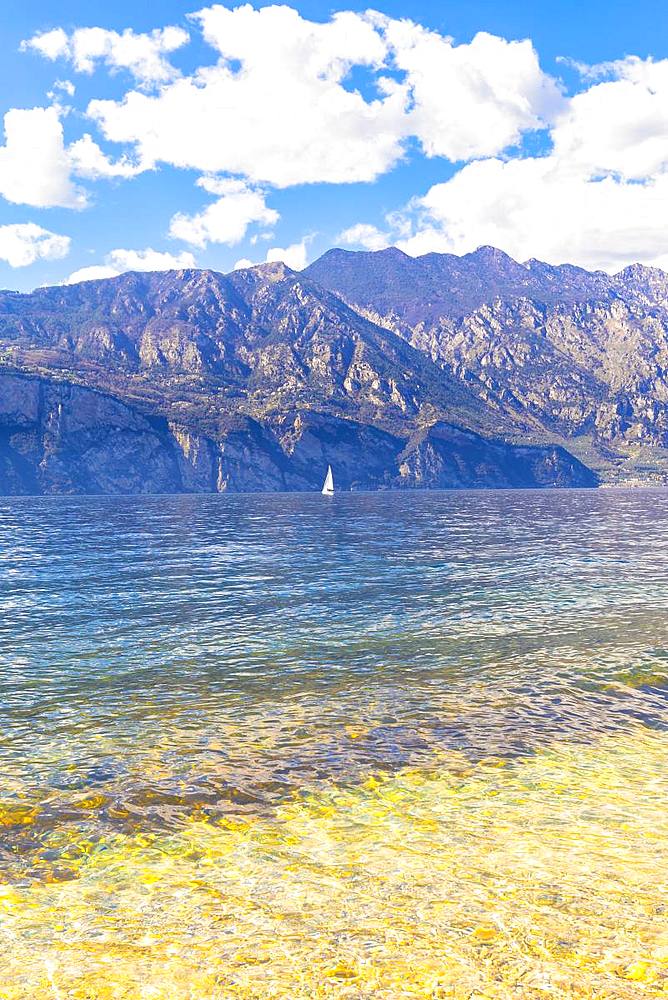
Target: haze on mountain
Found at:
435, 371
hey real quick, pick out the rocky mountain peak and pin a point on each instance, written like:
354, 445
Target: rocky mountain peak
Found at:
274, 271
374, 349
491, 255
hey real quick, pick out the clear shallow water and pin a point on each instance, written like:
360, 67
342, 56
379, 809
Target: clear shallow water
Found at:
378, 745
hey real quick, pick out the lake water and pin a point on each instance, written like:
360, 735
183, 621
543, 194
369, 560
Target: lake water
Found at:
375, 745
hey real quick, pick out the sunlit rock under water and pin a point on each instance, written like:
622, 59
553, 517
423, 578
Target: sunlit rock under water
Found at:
392, 747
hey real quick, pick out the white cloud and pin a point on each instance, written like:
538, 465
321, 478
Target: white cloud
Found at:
365, 235
37, 168
474, 99
59, 88
50, 44
619, 126
280, 106
228, 218
92, 273
598, 198
34, 165
284, 117
295, 255
118, 261
243, 263
142, 54
87, 160
540, 207
22, 244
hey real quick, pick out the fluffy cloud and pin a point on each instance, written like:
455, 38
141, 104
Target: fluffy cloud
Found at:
275, 108
285, 104
59, 88
24, 243
365, 235
50, 44
540, 207
35, 167
143, 55
619, 126
469, 100
295, 255
119, 261
228, 218
279, 107
598, 198
87, 160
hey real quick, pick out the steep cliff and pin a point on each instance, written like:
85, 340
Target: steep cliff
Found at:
59, 437
197, 381
562, 353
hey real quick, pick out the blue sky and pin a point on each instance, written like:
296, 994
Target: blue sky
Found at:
251, 133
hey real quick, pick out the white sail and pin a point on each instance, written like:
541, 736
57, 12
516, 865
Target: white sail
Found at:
328, 486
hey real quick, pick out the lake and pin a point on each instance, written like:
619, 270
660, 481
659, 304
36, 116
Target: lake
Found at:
375, 745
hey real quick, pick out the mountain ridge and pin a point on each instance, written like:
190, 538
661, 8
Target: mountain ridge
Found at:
431, 371
491, 274
582, 354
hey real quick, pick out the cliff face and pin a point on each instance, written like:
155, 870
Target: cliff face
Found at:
562, 353
254, 342
197, 381
56, 437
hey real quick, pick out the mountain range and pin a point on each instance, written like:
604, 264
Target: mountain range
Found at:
435, 371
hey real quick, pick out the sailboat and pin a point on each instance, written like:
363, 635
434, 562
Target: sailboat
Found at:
328, 485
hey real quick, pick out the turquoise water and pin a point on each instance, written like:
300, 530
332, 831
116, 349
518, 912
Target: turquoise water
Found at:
210, 660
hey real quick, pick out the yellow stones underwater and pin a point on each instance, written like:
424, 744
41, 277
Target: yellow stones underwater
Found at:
543, 878
485, 933
16, 814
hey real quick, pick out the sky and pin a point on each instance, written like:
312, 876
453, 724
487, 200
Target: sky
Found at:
145, 136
